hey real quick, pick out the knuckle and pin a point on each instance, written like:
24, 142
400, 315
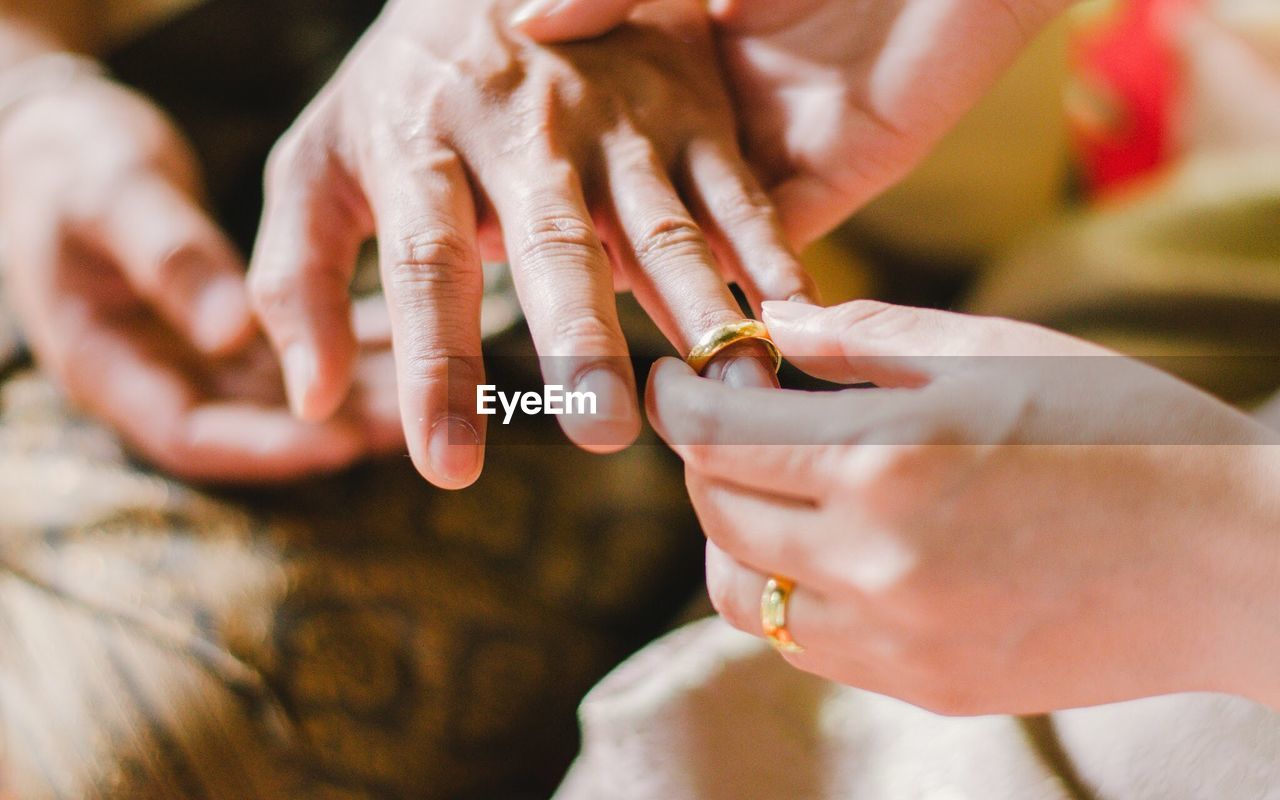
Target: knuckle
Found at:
584, 329
670, 237
431, 256
428, 358
425, 362
744, 206
272, 292
555, 238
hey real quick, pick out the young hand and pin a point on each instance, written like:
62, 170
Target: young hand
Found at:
1015, 521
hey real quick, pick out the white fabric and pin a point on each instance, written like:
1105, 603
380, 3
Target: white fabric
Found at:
708, 713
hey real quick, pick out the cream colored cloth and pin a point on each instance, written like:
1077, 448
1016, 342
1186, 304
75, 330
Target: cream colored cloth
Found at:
708, 713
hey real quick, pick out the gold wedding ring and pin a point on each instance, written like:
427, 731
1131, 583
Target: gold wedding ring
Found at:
727, 335
773, 614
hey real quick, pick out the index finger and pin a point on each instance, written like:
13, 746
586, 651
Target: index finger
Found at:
125, 373
173, 255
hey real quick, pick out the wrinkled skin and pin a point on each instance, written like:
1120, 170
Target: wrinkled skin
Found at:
592, 167
838, 99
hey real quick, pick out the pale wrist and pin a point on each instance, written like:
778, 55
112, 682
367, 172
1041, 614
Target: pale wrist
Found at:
1248, 557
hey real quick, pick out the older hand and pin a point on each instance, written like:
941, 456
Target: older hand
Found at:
1016, 522
595, 166
108, 255
838, 99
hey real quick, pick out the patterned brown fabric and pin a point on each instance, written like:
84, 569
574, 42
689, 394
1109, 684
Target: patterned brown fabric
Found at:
363, 636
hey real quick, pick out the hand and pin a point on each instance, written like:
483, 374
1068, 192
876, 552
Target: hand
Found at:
135, 301
1231, 88
595, 167
1016, 522
838, 99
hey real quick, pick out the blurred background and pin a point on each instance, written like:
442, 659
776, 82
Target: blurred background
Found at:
365, 636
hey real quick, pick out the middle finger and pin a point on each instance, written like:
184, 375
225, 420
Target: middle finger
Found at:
564, 282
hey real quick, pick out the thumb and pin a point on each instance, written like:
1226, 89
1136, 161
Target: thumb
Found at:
870, 341
551, 21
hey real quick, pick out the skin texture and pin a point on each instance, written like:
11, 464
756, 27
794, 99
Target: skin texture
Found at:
592, 167
135, 302
838, 99
1015, 521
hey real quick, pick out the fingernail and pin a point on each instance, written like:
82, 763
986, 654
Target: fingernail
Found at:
748, 373
299, 364
222, 314
453, 448
788, 311
615, 401
531, 9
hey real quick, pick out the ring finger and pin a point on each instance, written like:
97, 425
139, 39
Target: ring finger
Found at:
671, 268
736, 590
742, 225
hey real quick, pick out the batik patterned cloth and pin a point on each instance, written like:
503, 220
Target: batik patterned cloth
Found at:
361, 636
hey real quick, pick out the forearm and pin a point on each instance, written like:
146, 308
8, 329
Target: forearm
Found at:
31, 28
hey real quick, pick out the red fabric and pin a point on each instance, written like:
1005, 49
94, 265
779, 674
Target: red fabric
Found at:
1130, 69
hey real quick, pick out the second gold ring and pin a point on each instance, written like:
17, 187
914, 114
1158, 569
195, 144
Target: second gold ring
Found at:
773, 614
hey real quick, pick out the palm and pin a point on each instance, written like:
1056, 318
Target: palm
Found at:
838, 99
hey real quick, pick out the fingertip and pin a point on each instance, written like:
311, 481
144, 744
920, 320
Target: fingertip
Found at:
311, 397
788, 313
743, 372
299, 365
668, 367
612, 422
454, 454
807, 210
223, 321
807, 291
664, 376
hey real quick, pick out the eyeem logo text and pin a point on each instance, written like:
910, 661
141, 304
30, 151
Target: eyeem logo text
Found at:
553, 399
